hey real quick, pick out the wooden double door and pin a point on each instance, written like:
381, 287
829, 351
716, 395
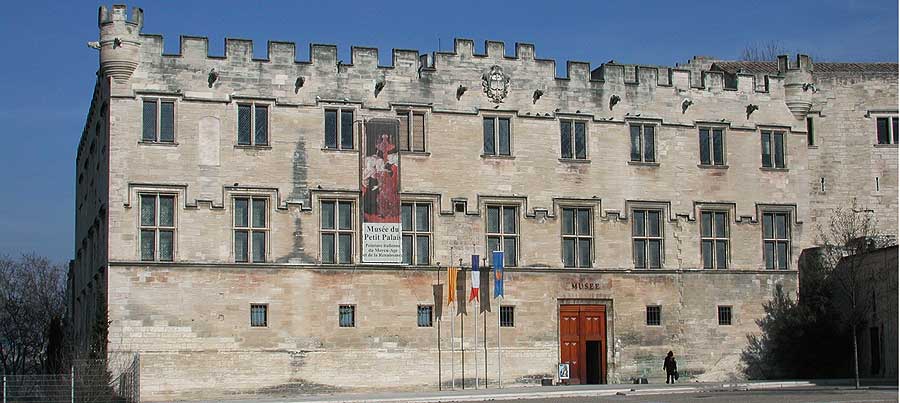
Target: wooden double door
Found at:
582, 342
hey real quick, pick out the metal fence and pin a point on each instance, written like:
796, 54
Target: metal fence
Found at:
89, 381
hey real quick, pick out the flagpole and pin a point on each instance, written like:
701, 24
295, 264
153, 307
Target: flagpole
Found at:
476, 342
451, 297
484, 323
499, 348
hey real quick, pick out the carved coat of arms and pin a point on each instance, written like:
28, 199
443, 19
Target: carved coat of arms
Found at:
496, 84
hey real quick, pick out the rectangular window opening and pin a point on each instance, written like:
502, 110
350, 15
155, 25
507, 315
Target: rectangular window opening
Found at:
336, 231
507, 316
339, 129
415, 218
425, 316
643, 143
497, 136
724, 315
647, 238
259, 315
776, 240
158, 121
347, 316
502, 232
251, 229
157, 227
577, 237
253, 124
653, 315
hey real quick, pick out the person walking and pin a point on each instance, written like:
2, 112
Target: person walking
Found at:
671, 367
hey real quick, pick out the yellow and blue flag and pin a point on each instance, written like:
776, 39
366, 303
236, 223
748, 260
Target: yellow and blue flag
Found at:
498, 274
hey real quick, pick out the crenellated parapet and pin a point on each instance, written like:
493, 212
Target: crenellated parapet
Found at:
458, 80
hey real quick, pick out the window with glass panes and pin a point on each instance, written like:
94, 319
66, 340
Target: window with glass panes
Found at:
497, 136
777, 240
886, 130
643, 143
337, 231
507, 316
157, 227
577, 237
253, 124
259, 315
502, 232
339, 129
654, 315
251, 229
412, 131
158, 121
772, 143
714, 239
347, 316
425, 315
573, 139
647, 238
712, 146
415, 219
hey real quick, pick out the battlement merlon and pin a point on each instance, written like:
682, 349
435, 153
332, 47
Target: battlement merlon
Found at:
119, 14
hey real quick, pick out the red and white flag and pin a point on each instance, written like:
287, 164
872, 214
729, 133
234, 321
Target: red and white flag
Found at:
476, 279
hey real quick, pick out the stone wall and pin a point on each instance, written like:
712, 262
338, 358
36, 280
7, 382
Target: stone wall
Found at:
191, 325
847, 154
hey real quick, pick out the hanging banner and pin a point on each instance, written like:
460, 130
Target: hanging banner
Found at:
498, 274
476, 279
451, 285
382, 240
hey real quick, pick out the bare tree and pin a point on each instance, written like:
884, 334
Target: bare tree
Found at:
763, 51
32, 305
849, 234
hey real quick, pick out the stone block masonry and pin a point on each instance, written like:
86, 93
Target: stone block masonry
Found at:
189, 316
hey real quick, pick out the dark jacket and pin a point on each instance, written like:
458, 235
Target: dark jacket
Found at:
670, 365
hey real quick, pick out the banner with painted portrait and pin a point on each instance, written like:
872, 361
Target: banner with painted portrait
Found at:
382, 239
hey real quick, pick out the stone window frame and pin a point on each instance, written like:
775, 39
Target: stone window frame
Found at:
642, 125
650, 316
339, 112
410, 113
265, 312
590, 236
422, 308
711, 144
725, 315
501, 234
250, 229
496, 117
156, 227
415, 233
159, 100
336, 231
771, 134
715, 209
351, 310
775, 240
573, 157
253, 104
893, 135
509, 311
662, 209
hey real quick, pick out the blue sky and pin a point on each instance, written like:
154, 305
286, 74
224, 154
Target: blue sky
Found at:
48, 73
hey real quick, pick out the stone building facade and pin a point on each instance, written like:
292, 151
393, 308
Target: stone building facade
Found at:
206, 185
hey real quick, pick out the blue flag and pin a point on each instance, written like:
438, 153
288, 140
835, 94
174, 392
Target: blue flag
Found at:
498, 274
476, 279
